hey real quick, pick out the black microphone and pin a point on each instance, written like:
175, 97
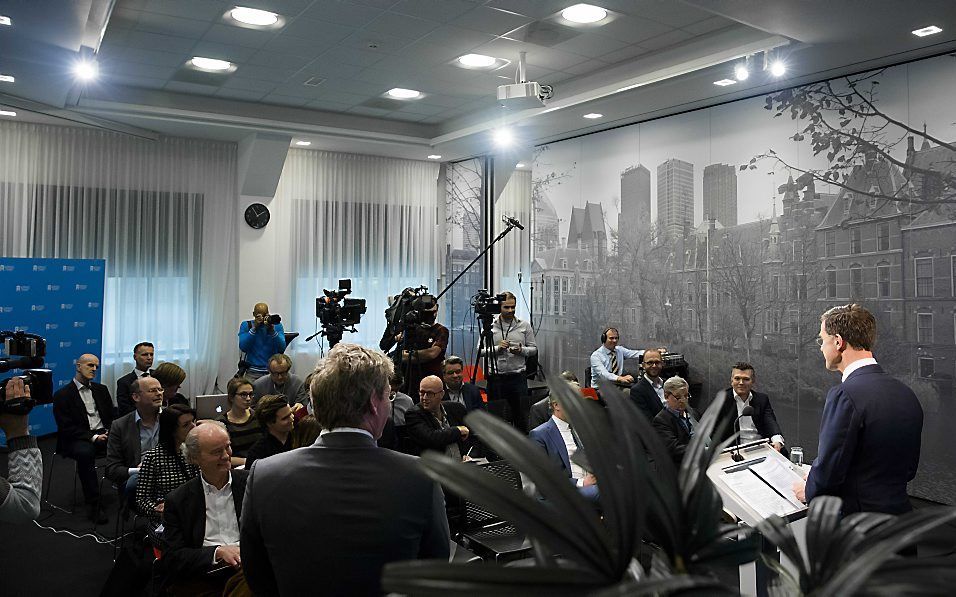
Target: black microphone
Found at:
746, 412
512, 222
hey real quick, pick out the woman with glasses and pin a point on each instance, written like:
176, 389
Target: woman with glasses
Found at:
240, 421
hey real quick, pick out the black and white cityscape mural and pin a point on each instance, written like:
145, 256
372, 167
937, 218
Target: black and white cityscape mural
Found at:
723, 233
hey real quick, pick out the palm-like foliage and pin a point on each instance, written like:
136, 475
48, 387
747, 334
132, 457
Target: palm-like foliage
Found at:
854, 555
678, 510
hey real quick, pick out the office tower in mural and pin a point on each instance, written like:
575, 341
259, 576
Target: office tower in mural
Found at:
762, 214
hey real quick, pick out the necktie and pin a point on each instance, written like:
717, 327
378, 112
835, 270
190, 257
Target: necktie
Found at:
612, 367
574, 436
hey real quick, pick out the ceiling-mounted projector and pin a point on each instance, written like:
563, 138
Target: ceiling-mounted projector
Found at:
523, 94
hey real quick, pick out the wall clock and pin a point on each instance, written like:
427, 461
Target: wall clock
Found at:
257, 216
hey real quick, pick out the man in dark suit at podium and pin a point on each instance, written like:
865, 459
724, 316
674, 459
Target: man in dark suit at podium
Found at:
83, 410
732, 401
871, 427
143, 357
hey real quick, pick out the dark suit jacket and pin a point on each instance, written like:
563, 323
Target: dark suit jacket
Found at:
124, 397
366, 506
425, 432
69, 412
184, 518
549, 437
646, 398
674, 435
869, 443
122, 449
471, 395
764, 419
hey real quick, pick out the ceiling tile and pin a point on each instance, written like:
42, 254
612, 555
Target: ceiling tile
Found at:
238, 36
297, 89
401, 26
312, 29
130, 54
537, 9
632, 30
334, 95
286, 8
586, 68
340, 56
377, 42
444, 44
284, 100
490, 20
368, 111
163, 43
124, 18
239, 82
357, 87
167, 25
143, 82
265, 73
445, 101
420, 108
193, 88
443, 11
342, 13
406, 117
390, 77
626, 53
708, 25
297, 46
675, 14
240, 94
190, 9
591, 45
267, 58
328, 106
383, 4
122, 68
237, 54
666, 40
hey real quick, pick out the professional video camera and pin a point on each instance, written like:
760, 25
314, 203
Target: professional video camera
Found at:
25, 351
337, 313
405, 314
486, 305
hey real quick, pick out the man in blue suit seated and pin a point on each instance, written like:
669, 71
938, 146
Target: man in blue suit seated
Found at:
456, 390
560, 442
871, 426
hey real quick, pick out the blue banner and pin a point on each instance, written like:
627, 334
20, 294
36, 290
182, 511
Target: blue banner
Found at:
61, 300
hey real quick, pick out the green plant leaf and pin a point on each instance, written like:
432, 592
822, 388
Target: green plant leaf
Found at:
666, 586
822, 520
440, 579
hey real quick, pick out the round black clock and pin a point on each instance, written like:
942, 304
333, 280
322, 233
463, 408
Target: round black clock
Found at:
257, 216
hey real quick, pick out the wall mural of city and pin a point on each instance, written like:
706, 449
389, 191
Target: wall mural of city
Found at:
723, 233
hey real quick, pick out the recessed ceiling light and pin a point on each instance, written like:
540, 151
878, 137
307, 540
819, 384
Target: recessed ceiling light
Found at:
741, 72
778, 68
399, 93
10, 113
519, 165
930, 30
584, 13
303, 143
593, 115
86, 70
213, 64
725, 82
7, 79
477, 60
254, 16
503, 137
5, 21
434, 156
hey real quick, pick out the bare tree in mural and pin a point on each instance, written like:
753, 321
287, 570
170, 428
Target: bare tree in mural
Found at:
844, 121
464, 193
540, 185
740, 268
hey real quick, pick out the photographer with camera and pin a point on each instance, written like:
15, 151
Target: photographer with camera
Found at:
20, 492
260, 338
421, 341
512, 344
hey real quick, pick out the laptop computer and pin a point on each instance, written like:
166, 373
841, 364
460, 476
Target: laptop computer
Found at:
210, 406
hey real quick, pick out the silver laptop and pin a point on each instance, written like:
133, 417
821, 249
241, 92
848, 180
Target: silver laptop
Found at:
210, 406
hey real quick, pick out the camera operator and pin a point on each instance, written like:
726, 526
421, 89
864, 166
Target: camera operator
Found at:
260, 338
512, 344
423, 352
20, 492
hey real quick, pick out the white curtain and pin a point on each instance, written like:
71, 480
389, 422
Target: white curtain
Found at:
367, 218
161, 213
513, 252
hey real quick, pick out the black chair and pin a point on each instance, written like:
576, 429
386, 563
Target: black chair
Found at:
486, 534
99, 466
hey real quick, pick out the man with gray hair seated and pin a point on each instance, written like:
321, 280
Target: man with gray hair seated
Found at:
675, 422
201, 517
328, 517
281, 382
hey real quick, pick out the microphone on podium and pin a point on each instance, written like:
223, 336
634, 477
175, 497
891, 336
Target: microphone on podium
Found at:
747, 412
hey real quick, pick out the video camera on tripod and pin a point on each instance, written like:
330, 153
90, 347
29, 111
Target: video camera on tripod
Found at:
407, 312
485, 304
25, 351
337, 313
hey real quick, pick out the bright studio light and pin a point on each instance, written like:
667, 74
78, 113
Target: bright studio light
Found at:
254, 16
778, 68
477, 60
86, 70
401, 93
503, 137
211, 64
741, 72
584, 13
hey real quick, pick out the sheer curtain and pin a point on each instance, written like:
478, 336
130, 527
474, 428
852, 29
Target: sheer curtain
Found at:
368, 218
513, 253
162, 214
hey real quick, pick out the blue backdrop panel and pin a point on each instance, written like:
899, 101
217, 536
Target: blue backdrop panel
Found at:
61, 300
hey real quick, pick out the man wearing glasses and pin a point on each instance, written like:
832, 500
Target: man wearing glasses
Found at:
133, 434
436, 425
648, 392
675, 423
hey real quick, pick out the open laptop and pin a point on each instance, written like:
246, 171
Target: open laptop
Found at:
210, 406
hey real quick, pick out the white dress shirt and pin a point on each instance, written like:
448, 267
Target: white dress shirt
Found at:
577, 473
748, 431
345, 430
93, 415
658, 387
856, 365
222, 525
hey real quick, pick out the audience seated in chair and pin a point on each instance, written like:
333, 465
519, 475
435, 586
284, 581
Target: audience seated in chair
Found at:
276, 420
541, 410
560, 443
456, 390
134, 434
305, 432
648, 391
164, 468
171, 376
201, 517
240, 420
83, 410
438, 425
399, 403
143, 358
675, 422
282, 382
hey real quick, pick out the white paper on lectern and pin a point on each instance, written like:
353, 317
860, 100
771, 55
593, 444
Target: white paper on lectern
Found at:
755, 493
781, 477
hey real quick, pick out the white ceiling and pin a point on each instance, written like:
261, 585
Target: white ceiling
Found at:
670, 50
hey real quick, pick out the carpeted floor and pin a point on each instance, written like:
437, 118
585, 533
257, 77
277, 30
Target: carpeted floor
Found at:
36, 561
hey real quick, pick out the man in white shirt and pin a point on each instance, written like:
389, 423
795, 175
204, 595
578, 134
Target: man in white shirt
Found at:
143, 358
201, 517
648, 391
559, 441
732, 401
607, 362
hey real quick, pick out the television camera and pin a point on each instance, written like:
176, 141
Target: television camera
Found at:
338, 314
25, 351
